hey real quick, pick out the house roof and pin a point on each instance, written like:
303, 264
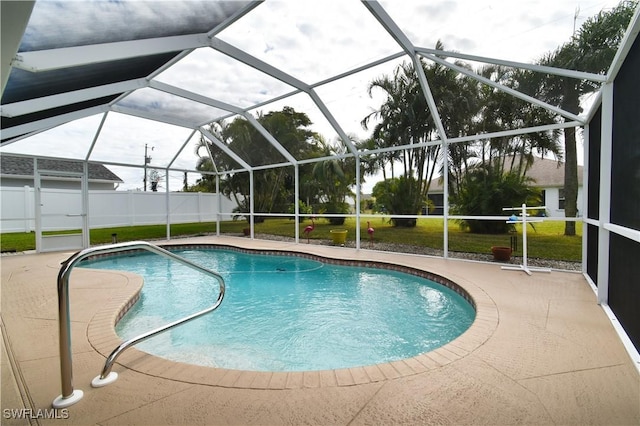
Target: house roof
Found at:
14, 166
548, 173
545, 173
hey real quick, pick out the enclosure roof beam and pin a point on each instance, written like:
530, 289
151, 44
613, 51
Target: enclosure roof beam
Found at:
15, 18
517, 132
272, 166
263, 103
505, 89
625, 45
253, 62
359, 69
96, 136
213, 163
512, 64
426, 90
53, 101
68, 57
326, 158
325, 111
392, 28
48, 123
398, 35
323, 82
269, 137
480, 136
182, 148
186, 94
154, 117
225, 148
233, 18
276, 73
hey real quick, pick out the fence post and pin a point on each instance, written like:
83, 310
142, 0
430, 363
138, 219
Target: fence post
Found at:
28, 212
131, 209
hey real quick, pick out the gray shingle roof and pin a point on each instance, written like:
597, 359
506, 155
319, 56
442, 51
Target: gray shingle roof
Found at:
23, 166
549, 173
544, 172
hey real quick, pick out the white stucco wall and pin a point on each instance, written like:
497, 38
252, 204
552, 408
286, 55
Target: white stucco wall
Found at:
551, 200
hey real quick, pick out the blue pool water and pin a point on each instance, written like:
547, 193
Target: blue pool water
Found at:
284, 313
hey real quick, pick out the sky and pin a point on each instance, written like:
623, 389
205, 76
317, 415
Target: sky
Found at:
309, 40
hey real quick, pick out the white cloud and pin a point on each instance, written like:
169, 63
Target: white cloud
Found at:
310, 40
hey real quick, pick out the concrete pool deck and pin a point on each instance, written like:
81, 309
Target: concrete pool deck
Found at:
540, 352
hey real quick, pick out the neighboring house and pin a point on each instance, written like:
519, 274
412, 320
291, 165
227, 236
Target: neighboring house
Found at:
18, 172
547, 175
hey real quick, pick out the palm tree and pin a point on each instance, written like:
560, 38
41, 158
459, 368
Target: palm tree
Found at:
591, 49
334, 178
404, 118
502, 111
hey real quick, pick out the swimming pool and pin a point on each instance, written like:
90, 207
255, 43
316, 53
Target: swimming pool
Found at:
288, 313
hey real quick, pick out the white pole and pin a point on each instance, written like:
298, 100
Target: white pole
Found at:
524, 236
585, 197
37, 186
27, 207
251, 204
296, 208
219, 215
167, 204
524, 267
604, 205
84, 193
357, 202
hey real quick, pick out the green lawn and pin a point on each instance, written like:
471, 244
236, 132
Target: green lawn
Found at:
546, 241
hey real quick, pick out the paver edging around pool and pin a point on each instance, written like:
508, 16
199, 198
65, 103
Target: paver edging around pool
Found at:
103, 338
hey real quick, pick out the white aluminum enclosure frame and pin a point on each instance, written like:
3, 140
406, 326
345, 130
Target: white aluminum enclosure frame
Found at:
42, 61
64, 241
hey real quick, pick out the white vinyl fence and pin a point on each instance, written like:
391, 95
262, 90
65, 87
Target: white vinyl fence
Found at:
107, 208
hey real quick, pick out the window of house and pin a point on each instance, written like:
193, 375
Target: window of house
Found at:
561, 198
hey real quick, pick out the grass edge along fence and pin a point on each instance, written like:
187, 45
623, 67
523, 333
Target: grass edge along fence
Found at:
546, 240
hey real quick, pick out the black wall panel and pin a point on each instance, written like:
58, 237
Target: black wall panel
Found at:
624, 284
593, 194
624, 253
593, 180
592, 253
625, 176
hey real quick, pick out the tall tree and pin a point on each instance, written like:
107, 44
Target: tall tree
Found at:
501, 111
273, 187
404, 119
335, 177
591, 49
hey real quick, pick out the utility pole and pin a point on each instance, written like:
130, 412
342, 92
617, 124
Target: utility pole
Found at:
147, 160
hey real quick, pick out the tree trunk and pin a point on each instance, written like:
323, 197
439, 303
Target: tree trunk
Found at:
570, 180
570, 103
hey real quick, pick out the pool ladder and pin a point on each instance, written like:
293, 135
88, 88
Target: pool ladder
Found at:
70, 396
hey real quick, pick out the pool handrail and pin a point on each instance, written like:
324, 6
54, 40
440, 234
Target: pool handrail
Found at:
70, 396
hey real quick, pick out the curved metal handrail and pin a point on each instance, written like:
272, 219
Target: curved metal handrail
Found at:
69, 396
